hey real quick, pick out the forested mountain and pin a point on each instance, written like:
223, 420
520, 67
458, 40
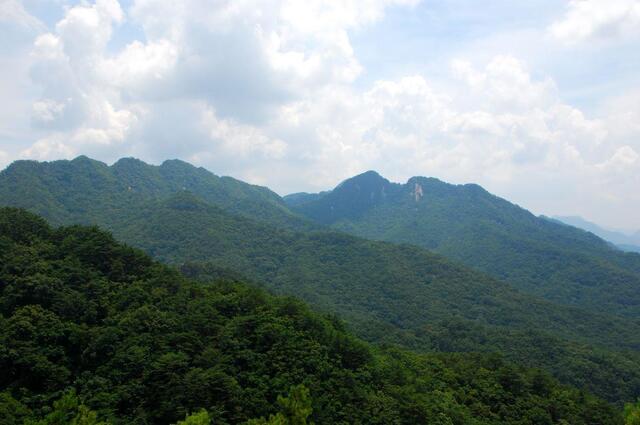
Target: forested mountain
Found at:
88, 191
468, 224
300, 198
116, 337
387, 293
398, 294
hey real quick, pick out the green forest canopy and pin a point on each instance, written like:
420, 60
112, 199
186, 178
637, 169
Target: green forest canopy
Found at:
94, 330
386, 293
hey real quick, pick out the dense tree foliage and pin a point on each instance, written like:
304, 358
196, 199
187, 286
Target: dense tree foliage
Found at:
394, 294
93, 331
632, 413
387, 293
468, 224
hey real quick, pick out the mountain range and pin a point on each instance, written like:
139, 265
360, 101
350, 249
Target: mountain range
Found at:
425, 265
468, 224
89, 191
624, 241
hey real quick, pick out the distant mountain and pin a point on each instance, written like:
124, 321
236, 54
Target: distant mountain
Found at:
352, 199
302, 197
87, 191
468, 224
625, 242
629, 248
387, 293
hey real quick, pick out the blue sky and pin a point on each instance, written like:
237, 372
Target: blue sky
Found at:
424, 39
538, 101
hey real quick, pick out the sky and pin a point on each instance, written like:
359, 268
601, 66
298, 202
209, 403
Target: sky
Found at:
537, 101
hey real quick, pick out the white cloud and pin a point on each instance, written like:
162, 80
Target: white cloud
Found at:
48, 47
598, 20
79, 106
233, 64
506, 84
247, 58
623, 157
47, 110
272, 92
103, 132
499, 127
141, 65
50, 147
240, 140
13, 12
623, 117
85, 30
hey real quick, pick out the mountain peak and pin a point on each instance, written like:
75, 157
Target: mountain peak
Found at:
351, 198
131, 166
20, 164
370, 174
177, 164
128, 161
83, 159
369, 180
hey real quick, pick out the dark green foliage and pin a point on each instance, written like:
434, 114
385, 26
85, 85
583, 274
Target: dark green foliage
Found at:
468, 224
12, 411
613, 375
200, 418
294, 409
68, 411
223, 228
632, 413
388, 293
141, 344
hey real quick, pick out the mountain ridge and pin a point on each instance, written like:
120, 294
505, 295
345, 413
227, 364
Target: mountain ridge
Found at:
132, 181
389, 293
466, 223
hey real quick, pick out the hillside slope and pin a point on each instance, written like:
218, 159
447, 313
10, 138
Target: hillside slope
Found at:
138, 343
387, 293
403, 285
468, 224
